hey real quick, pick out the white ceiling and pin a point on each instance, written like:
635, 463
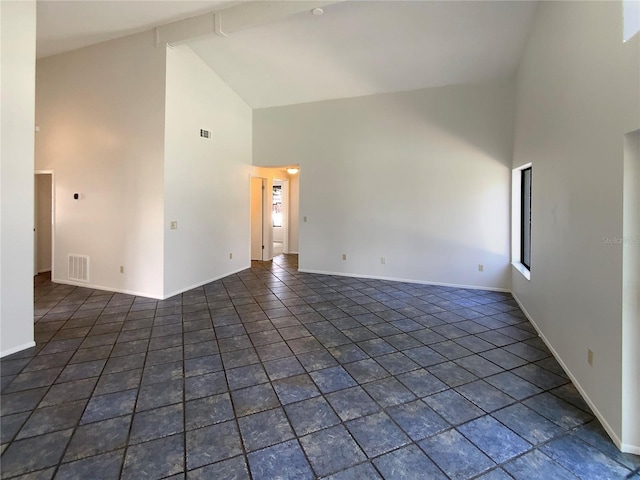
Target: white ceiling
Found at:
356, 48
68, 25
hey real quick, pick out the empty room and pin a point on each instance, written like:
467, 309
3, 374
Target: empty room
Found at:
320, 240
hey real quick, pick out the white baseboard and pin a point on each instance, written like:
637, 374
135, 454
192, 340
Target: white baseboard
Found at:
623, 447
17, 349
146, 294
406, 280
107, 289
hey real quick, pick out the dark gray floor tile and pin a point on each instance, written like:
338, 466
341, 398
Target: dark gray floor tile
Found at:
21, 401
513, 385
421, 382
254, 399
397, 363
294, 389
485, 396
202, 365
127, 362
102, 467
536, 465
558, 411
332, 379
108, 406
99, 437
388, 392
453, 407
452, 374
10, 425
232, 469
497, 474
376, 347
162, 373
246, 376
165, 355
264, 429
19, 457
331, 450
284, 461
33, 380
212, 444
50, 419
417, 419
205, 385
460, 459
585, 461
479, 366
276, 350
528, 424
155, 459
474, 344
593, 434
503, 359
348, 353
539, 376
116, 382
425, 356
494, 439
283, 368
408, 463
352, 403
570, 394
359, 472
240, 358
208, 410
450, 350
156, 423
40, 362
377, 434
364, 371
67, 392
201, 349
317, 360
311, 415
159, 395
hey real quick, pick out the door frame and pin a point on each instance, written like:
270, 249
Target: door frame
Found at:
252, 217
53, 221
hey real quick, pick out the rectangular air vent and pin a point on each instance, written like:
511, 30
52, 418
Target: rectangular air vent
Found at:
205, 133
79, 268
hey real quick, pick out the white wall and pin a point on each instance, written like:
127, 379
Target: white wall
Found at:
631, 291
577, 95
101, 115
43, 222
17, 83
421, 178
206, 181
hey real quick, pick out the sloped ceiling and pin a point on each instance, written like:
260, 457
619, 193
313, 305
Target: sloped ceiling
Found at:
355, 48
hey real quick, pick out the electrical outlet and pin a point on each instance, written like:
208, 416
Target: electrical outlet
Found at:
174, 225
121, 268
383, 260
344, 256
589, 357
304, 219
230, 256
480, 267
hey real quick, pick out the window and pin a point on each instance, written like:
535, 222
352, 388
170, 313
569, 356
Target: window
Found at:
277, 206
525, 218
631, 20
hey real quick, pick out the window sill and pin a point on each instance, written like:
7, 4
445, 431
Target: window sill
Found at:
526, 273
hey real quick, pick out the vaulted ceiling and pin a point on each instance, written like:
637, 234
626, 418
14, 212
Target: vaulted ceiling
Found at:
355, 48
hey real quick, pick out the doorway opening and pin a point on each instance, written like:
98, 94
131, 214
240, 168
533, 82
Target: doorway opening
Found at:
274, 212
43, 225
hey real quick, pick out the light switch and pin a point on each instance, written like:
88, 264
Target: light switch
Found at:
174, 225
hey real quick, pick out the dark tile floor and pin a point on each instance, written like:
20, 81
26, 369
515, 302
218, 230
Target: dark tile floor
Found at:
272, 373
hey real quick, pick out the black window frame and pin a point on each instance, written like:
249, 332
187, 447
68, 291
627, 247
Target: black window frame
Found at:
525, 220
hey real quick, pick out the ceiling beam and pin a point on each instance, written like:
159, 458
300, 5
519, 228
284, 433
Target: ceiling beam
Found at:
238, 17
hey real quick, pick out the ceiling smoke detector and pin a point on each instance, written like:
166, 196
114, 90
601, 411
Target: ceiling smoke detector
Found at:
317, 11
